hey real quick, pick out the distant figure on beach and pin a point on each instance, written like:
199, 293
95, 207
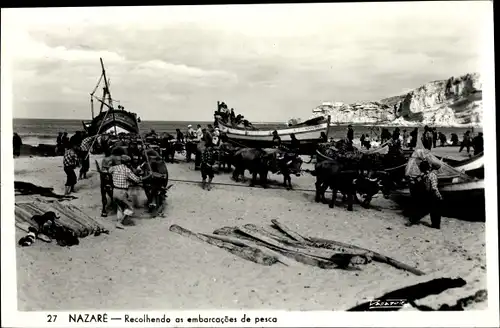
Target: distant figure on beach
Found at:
364, 142
427, 196
122, 176
385, 135
207, 164
395, 144
179, 136
323, 137
60, 144
478, 144
17, 142
396, 134
466, 142
442, 139
350, 133
454, 139
427, 138
199, 133
70, 163
434, 137
65, 141
414, 138
405, 139
276, 140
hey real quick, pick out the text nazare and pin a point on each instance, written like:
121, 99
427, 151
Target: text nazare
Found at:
88, 317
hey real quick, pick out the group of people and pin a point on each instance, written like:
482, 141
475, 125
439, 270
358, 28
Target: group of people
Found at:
229, 117
76, 154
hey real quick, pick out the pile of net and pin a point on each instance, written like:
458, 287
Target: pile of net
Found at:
443, 170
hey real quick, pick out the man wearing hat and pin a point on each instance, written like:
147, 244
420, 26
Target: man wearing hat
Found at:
215, 138
122, 175
207, 163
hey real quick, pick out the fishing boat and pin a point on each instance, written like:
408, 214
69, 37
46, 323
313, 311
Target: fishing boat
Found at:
110, 119
473, 166
309, 133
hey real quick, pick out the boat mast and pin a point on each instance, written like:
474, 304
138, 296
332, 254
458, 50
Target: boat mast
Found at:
108, 93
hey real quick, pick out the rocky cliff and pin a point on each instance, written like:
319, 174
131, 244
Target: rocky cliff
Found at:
453, 102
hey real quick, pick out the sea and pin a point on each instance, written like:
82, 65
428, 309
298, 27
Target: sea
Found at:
44, 131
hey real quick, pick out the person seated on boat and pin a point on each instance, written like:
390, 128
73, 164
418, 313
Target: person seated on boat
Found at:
216, 137
276, 140
232, 116
426, 196
294, 143
248, 125
350, 133
199, 133
237, 120
478, 144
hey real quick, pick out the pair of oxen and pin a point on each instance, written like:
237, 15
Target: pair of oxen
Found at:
151, 165
259, 162
358, 176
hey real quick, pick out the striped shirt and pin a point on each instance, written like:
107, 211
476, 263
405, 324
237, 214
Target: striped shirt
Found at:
207, 157
70, 158
122, 176
87, 143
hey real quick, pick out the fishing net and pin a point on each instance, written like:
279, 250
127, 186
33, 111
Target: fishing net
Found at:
443, 170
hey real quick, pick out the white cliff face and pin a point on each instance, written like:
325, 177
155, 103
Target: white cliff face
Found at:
452, 102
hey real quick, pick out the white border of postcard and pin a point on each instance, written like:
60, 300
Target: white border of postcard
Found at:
13, 318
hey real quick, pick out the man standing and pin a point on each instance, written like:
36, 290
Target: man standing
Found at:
427, 138
215, 138
414, 138
276, 140
427, 196
199, 133
434, 137
294, 143
85, 156
466, 142
190, 143
70, 162
478, 144
350, 134
106, 180
405, 138
122, 175
207, 163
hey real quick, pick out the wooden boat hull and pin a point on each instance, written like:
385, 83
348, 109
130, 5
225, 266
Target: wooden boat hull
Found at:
309, 136
464, 200
125, 122
473, 166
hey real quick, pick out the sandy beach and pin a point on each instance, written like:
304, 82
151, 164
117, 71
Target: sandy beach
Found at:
149, 267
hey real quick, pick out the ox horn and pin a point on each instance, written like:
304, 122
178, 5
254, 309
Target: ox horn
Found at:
373, 180
354, 181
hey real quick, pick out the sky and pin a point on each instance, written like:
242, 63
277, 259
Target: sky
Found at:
268, 62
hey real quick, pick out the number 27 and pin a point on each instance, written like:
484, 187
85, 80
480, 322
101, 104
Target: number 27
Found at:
51, 317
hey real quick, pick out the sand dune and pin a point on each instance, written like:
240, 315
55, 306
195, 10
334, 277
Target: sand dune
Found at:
149, 267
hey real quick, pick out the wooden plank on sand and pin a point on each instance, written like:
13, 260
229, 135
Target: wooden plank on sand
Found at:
247, 253
289, 232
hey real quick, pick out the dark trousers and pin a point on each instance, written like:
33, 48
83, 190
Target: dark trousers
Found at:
427, 205
464, 145
70, 176
85, 164
106, 189
206, 171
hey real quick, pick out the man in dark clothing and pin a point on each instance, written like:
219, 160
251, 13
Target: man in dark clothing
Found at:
454, 139
427, 196
76, 139
442, 139
180, 135
135, 154
323, 137
65, 140
478, 144
207, 163
414, 138
276, 140
294, 143
59, 144
17, 143
466, 142
350, 133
